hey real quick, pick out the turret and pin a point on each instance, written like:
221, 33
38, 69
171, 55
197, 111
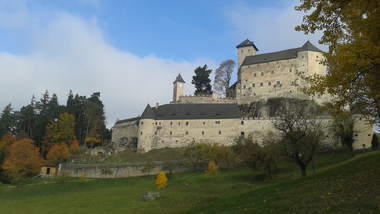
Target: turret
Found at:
178, 88
246, 48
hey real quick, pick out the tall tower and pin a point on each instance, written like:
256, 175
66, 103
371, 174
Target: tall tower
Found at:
179, 88
246, 48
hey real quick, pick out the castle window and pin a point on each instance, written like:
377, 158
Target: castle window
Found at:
242, 122
156, 124
254, 75
253, 85
249, 50
220, 132
179, 123
302, 57
262, 73
369, 134
317, 56
272, 72
356, 135
217, 122
171, 123
170, 133
203, 133
241, 51
142, 123
159, 123
254, 94
269, 83
290, 70
261, 84
187, 133
141, 133
243, 95
187, 123
360, 118
155, 133
242, 134
278, 82
243, 86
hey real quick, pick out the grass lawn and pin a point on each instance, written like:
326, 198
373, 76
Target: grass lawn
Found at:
341, 185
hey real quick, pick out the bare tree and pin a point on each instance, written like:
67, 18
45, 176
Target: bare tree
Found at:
301, 135
223, 77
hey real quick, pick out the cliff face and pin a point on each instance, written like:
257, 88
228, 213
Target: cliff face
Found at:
272, 106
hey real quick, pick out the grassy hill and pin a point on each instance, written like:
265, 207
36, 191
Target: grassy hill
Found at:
341, 185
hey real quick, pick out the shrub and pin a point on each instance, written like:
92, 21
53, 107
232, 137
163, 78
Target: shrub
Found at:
83, 178
161, 180
212, 169
62, 176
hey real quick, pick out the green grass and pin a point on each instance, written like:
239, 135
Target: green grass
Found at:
341, 185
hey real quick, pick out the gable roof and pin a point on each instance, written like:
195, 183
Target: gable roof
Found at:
192, 111
246, 43
179, 79
280, 55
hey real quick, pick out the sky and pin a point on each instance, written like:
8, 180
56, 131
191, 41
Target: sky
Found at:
131, 51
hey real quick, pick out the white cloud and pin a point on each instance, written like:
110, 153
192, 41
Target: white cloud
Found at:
69, 52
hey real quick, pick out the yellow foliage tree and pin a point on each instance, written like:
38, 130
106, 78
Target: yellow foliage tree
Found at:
58, 154
24, 160
93, 137
161, 180
74, 147
212, 169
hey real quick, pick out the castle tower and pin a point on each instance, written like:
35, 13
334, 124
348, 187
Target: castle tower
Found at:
178, 88
246, 48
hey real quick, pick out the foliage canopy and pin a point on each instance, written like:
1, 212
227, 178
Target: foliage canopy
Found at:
351, 28
201, 81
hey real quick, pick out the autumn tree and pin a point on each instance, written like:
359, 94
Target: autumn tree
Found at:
93, 137
48, 139
74, 147
58, 154
266, 155
161, 180
7, 141
65, 129
301, 135
201, 81
351, 29
212, 169
24, 160
223, 77
227, 156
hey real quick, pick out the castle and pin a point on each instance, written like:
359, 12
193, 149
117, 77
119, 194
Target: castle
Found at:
246, 110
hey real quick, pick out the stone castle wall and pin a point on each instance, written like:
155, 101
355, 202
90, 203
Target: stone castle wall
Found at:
278, 78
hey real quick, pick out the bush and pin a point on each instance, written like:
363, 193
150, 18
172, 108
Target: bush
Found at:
212, 169
161, 180
62, 176
83, 178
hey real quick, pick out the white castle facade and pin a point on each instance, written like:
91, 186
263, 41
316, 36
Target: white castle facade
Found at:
261, 77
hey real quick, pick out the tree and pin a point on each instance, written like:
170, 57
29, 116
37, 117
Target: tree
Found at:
227, 156
351, 29
7, 120
161, 180
48, 139
74, 147
58, 154
65, 129
148, 167
375, 141
202, 81
95, 116
170, 166
93, 138
301, 135
24, 160
212, 169
223, 77
342, 129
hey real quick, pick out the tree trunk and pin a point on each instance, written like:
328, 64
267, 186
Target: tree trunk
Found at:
303, 170
270, 173
312, 162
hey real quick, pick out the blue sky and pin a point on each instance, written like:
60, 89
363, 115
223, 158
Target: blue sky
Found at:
130, 50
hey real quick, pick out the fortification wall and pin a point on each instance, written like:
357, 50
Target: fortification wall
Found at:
204, 99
